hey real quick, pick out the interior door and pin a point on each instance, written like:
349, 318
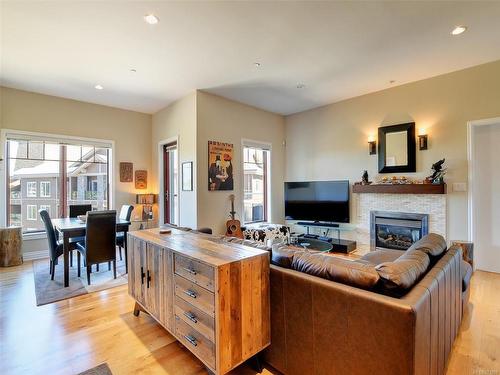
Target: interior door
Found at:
170, 184
486, 199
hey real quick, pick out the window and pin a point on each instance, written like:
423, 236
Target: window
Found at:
31, 189
45, 189
256, 162
31, 212
67, 173
46, 208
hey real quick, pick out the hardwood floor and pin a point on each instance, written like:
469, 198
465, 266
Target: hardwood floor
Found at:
74, 335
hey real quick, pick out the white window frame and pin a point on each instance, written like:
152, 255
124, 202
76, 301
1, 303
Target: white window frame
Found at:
264, 146
47, 183
28, 211
45, 207
28, 184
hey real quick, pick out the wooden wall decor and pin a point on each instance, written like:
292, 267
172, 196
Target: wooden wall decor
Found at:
141, 179
126, 172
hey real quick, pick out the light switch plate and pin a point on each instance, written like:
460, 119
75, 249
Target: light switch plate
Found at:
459, 186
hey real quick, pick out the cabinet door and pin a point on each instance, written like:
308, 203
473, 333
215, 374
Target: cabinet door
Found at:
155, 281
137, 268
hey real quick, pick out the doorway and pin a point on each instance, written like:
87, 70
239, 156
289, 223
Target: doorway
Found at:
170, 184
484, 196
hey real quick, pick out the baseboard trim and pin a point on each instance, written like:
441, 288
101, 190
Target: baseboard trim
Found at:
34, 255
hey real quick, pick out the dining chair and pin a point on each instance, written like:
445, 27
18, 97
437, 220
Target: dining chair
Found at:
79, 209
76, 210
100, 240
56, 248
125, 214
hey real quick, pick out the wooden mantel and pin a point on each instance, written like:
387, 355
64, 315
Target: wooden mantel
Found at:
400, 189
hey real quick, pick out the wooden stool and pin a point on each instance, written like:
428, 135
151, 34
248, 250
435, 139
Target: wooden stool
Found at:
11, 240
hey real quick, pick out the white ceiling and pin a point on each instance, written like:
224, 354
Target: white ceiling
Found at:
337, 49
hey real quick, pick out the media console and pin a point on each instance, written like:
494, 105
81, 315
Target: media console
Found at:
339, 245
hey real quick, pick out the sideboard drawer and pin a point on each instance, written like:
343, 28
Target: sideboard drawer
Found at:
195, 271
196, 318
195, 341
195, 295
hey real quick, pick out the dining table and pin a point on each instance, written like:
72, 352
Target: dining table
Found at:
74, 228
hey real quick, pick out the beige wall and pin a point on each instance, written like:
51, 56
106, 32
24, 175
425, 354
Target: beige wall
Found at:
331, 142
131, 131
224, 120
178, 120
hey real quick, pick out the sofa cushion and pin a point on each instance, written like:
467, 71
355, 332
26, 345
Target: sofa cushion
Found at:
432, 244
405, 271
466, 270
336, 269
282, 256
382, 256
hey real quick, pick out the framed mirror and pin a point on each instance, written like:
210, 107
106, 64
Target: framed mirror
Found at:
397, 148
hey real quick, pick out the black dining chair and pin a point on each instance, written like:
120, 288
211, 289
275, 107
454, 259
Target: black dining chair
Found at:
125, 214
79, 209
76, 210
56, 248
100, 240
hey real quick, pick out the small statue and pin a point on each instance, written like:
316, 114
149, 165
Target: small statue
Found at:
364, 178
437, 176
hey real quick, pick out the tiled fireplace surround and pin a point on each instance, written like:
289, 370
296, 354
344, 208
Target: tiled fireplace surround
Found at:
432, 204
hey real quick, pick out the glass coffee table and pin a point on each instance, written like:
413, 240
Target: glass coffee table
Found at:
314, 244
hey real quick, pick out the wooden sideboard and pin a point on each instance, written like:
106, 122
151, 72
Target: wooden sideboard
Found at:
213, 297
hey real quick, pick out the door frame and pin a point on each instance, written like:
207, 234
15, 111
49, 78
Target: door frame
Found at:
471, 126
161, 178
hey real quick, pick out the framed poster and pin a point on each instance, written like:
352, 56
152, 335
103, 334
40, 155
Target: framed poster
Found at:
126, 172
141, 179
220, 166
187, 176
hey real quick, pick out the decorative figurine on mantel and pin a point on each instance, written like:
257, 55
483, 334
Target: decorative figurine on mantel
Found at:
437, 176
364, 178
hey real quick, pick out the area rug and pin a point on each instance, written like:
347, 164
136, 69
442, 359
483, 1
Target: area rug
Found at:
102, 369
48, 291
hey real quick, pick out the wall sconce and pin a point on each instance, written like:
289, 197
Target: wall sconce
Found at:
422, 140
372, 145
147, 201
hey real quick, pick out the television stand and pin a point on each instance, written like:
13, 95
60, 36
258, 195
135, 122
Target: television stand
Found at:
339, 245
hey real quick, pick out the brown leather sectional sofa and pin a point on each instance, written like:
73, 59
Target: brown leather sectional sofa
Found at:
320, 326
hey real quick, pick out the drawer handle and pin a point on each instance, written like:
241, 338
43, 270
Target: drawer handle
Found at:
142, 275
190, 316
148, 278
191, 293
191, 340
190, 270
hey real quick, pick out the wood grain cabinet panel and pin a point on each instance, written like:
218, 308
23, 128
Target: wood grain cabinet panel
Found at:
213, 297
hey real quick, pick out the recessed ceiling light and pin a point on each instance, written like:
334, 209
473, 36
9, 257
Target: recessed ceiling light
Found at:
99, 87
151, 19
133, 70
458, 30
300, 85
257, 64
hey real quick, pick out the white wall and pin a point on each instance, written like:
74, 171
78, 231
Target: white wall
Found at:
178, 120
486, 160
331, 142
224, 120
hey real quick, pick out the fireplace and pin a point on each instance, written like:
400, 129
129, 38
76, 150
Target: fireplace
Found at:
396, 230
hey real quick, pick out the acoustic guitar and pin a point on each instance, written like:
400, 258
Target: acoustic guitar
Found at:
233, 226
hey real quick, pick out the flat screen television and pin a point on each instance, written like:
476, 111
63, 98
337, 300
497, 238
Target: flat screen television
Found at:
326, 201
